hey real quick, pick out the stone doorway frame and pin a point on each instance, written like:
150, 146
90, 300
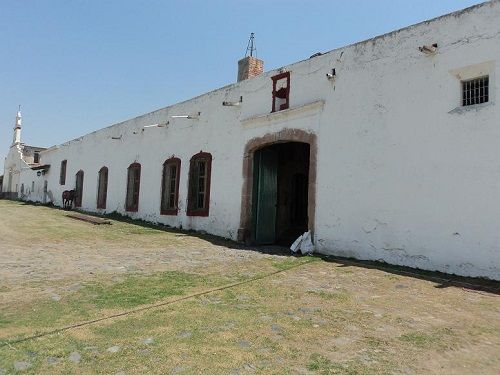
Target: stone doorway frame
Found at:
254, 144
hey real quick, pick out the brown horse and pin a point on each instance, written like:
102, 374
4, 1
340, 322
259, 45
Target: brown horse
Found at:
68, 196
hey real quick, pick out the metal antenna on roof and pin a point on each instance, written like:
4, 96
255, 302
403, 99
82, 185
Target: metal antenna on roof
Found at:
251, 46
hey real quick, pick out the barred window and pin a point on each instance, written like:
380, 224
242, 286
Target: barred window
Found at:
199, 184
102, 187
475, 91
62, 175
79, 188
133, 185
170, 186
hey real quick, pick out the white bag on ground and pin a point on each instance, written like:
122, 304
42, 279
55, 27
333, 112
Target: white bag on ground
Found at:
306, 246
303, 243
296, 244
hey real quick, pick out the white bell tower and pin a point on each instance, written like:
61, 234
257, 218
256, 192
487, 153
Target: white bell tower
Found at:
17, 129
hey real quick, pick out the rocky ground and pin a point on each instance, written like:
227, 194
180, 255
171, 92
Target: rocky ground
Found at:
131, 299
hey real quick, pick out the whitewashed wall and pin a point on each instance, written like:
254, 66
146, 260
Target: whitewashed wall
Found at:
404, 174
12, 170
33, 185
410, 177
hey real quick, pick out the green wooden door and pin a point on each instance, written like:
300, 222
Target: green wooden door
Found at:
265, 194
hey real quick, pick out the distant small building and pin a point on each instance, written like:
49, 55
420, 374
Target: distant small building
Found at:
20, 157
387, 150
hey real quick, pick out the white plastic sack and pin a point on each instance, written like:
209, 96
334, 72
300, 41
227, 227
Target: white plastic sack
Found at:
296, 244
306, 245
303, 243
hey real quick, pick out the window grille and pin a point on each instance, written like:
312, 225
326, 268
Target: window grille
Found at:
102, 188
79, 188
199, 184
62, 175
170, 186
475, 91
133, 185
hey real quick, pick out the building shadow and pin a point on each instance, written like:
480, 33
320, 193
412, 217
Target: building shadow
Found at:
441, 280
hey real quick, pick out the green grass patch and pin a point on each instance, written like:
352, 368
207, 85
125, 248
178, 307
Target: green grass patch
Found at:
319, 364
420, 339
141, 290
440, 337
337, 296
324, 366
89, 302
4, 321
291, 262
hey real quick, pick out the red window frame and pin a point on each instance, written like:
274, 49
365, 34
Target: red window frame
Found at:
102, 195
62, 173
193, 208
164, 208
283, 93
80, 175
133, 206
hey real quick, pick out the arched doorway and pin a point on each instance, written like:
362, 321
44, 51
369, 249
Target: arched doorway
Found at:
78, 188
279, 190
280, 194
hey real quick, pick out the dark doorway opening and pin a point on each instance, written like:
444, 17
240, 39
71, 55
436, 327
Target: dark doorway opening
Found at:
79, 189
280, 193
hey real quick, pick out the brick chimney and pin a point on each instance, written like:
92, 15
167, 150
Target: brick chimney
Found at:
249, 67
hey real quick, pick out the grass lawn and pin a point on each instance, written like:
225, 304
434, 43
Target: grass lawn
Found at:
132, 299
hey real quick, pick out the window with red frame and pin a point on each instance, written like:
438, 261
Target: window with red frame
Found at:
62, 173
281, 91
102, 187
170, 186
200, 169
133, 185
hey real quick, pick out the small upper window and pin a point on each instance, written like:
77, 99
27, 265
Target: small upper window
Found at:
62, 175
199, 184
36, 157
281, 91
475, 91
133, 185
170, 186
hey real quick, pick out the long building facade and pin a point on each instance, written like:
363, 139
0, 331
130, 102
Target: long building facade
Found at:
387, 150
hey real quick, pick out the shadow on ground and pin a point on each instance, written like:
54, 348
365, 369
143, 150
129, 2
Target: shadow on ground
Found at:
442, 280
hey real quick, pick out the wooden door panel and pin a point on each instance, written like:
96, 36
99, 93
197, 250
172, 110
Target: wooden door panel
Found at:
266, 196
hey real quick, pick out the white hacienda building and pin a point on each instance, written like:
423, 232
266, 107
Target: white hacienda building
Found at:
387, 149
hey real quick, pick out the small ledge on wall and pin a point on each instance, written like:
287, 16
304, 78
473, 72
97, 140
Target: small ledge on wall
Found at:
470, 108
301, 111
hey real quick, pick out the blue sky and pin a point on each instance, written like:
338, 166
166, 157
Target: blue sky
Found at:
79, 65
